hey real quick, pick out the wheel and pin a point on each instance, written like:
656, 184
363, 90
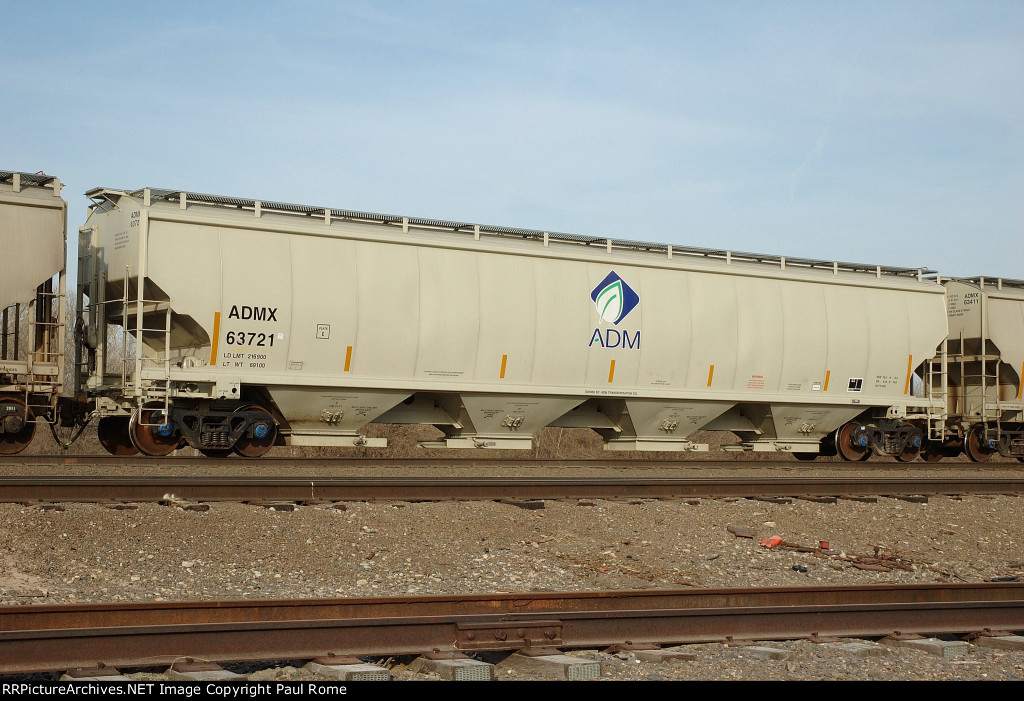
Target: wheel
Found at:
973, 446
113, 435
215, 452
910, 452
150, 431
264, 434
932, 452
806, 457
845, 447
17, 426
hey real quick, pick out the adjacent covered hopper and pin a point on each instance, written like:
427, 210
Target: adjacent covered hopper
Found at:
33, 220
978, 372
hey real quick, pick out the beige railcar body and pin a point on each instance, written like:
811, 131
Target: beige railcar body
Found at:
331, 319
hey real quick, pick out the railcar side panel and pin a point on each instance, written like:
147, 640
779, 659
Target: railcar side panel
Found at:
329, 279
508, 303
658, 367
714, 331
561, 338
1006, 329
385, 344
449, 329
32, 226
805, 341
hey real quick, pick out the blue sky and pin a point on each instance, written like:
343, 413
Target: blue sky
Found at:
878, 132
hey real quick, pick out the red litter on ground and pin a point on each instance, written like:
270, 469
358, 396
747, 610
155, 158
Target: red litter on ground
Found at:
823, 544
771, 541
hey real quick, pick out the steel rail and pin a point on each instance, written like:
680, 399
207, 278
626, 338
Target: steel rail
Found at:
47, 638
489, 462
315, 489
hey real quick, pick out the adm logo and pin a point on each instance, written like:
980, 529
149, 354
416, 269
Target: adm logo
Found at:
614, 300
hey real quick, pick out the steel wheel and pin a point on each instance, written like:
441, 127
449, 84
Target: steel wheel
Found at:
146, 429
17, 427
909, 453
256, 445
113, 434
932, 453
973, 447
845, 447
806, 457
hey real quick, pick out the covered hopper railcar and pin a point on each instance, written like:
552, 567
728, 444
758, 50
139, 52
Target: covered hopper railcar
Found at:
977, 372
251, 324
33, 226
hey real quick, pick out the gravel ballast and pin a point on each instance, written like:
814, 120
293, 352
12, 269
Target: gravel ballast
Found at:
153, 552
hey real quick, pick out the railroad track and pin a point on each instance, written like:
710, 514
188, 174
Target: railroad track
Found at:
321, 489
238, 462
48, 638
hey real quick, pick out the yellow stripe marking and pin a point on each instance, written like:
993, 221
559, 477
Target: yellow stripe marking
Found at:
827, 373
611, 371
711, 374
216, 338
504, 362
1020, 381
348, 358
910, 366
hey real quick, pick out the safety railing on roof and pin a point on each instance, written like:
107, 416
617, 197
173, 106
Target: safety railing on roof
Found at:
259, 208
